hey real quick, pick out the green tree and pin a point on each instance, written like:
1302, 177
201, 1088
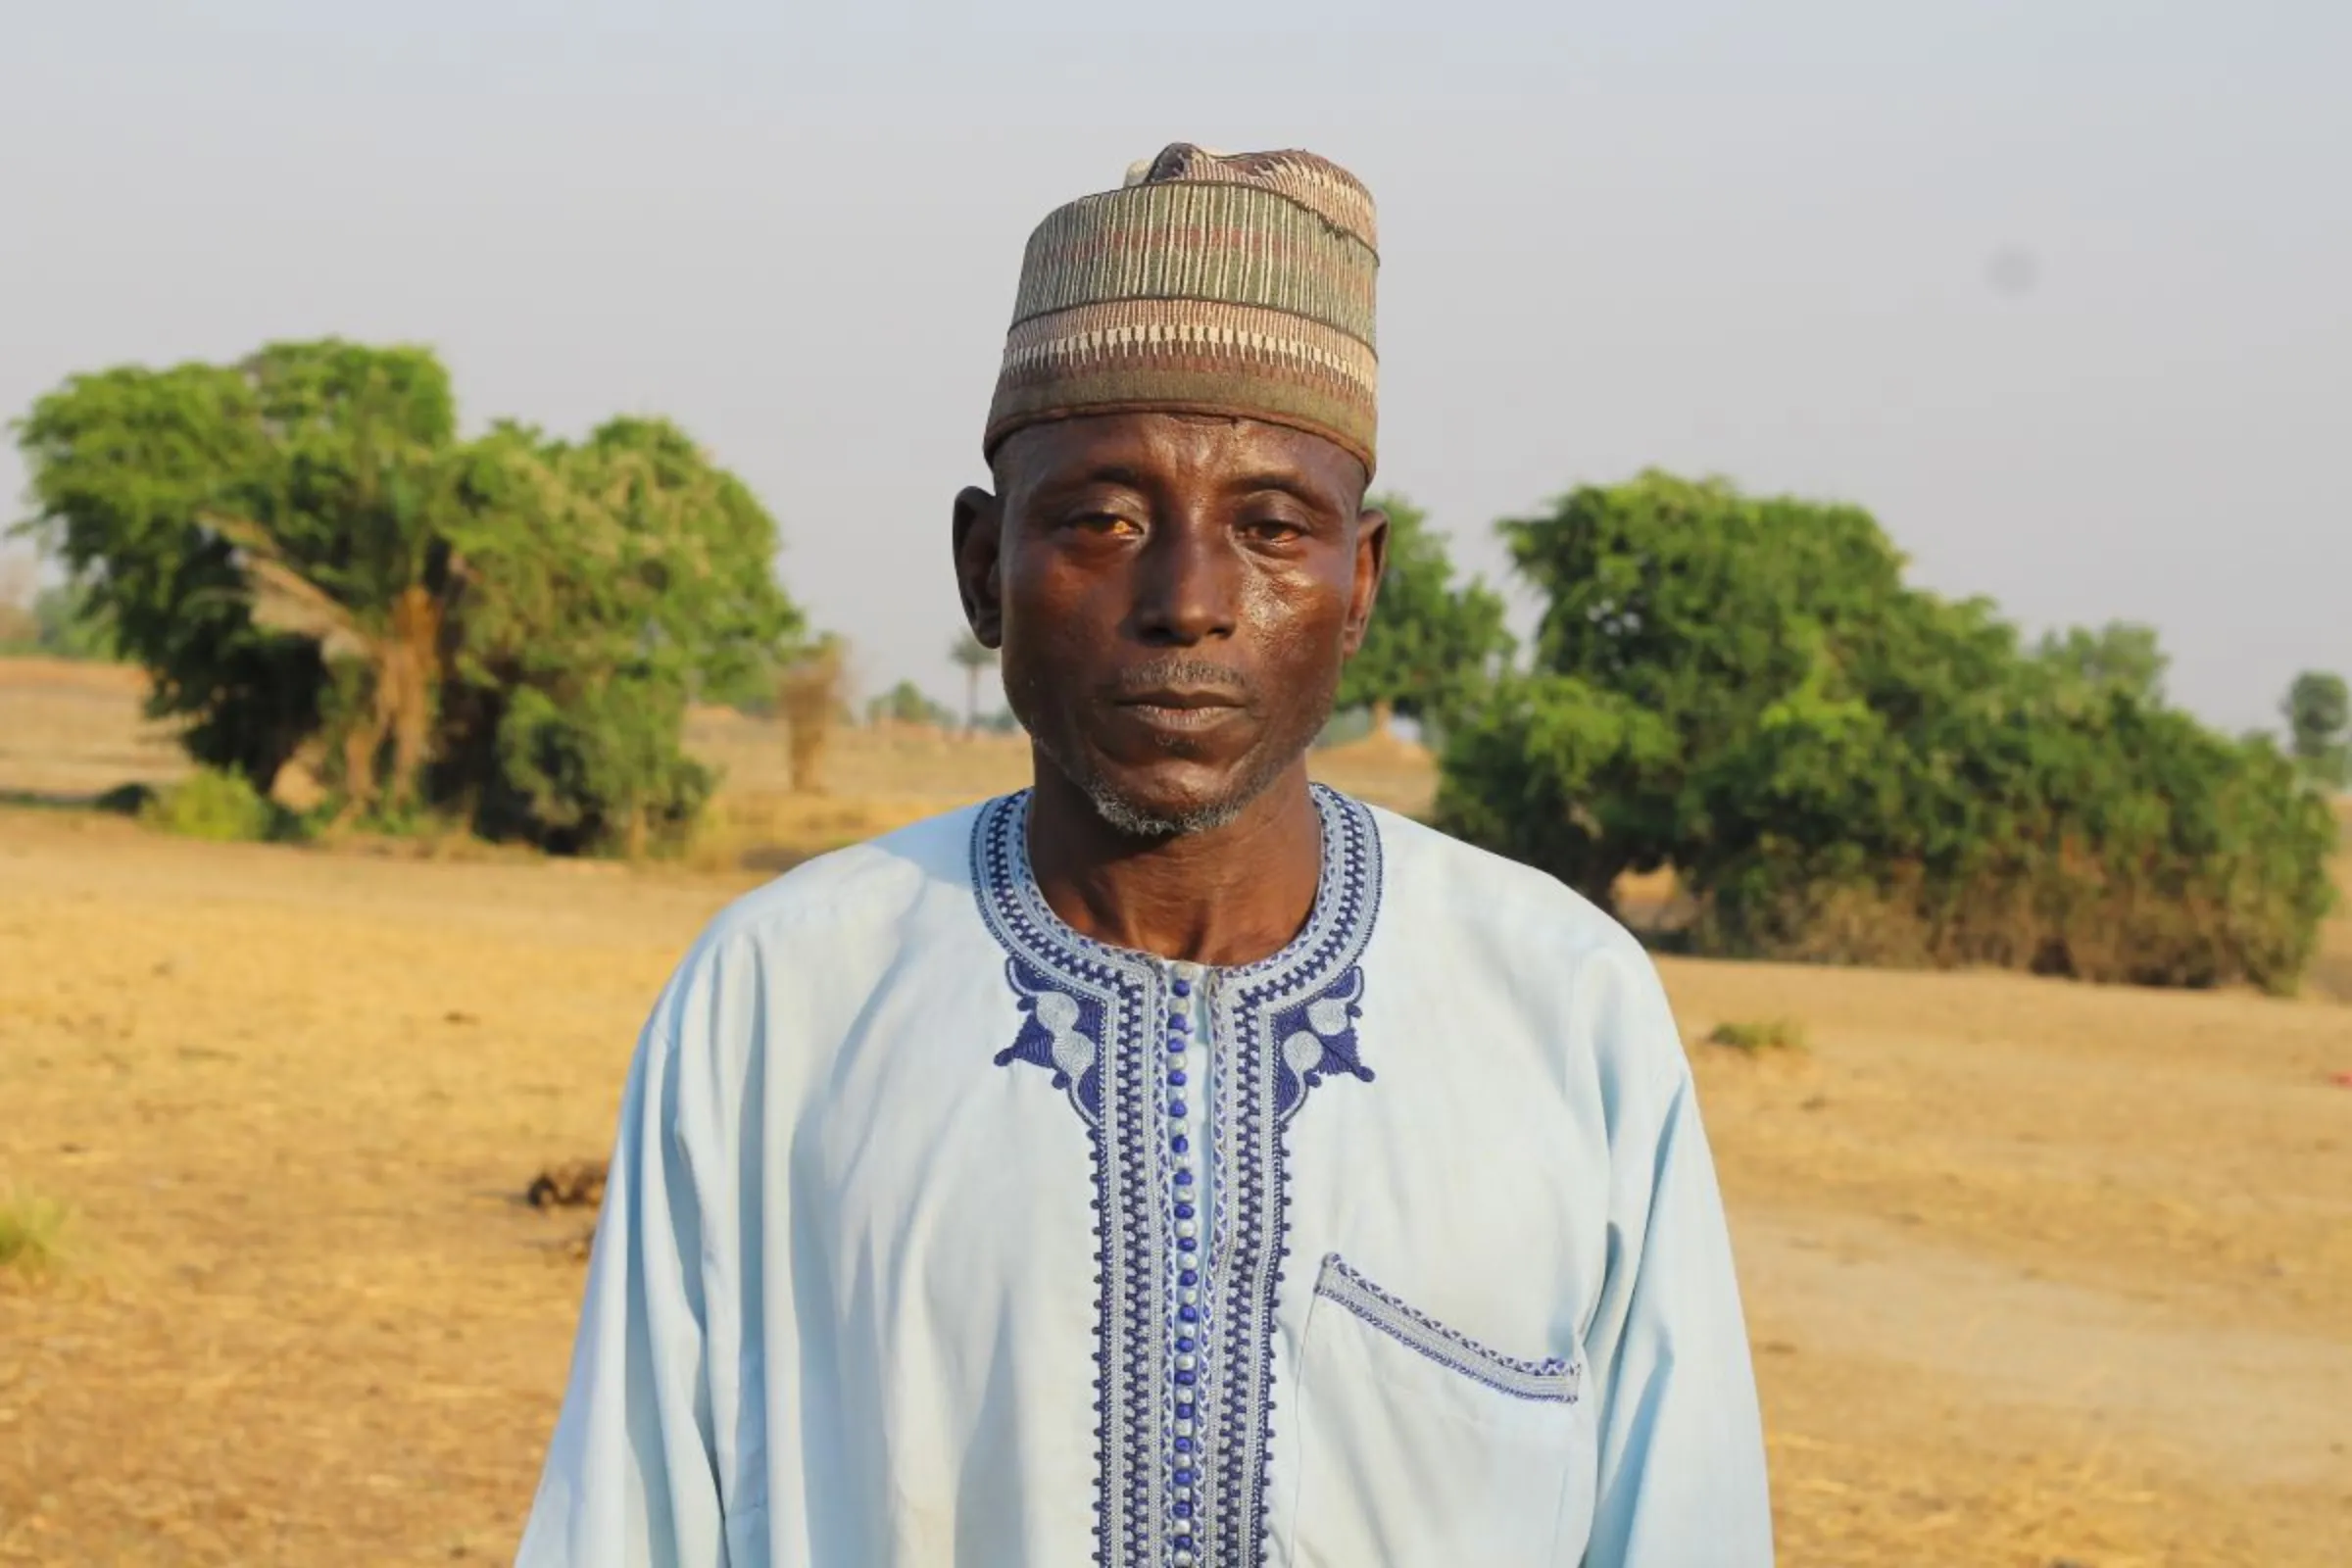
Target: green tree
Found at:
1705, 611
299, 549
1837, 765
908, 704
609, 583
55, 619
1541, 769
2120, 656
69, 625
196, 504
972, 656
2319, 722
1432, 644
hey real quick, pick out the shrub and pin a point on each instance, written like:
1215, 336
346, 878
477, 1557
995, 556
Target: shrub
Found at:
32, 1234
1842, 769
214, 804
1756, 1037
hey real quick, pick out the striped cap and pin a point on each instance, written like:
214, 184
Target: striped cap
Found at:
1237, 286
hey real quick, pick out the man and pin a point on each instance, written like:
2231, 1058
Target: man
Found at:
1174, 1163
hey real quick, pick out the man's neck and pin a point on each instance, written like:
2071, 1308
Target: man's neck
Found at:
1229, 896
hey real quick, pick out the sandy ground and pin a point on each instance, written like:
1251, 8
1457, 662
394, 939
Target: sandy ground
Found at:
2037, 1273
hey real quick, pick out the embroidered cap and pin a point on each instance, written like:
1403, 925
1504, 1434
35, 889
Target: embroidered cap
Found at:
1209, 283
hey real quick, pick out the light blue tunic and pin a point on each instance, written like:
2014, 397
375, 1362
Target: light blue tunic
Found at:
937, 1234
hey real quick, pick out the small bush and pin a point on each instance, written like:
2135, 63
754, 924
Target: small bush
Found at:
1758, 1036
210, 803
32, 1232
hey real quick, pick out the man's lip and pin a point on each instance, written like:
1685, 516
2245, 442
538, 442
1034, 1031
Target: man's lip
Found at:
1180, 698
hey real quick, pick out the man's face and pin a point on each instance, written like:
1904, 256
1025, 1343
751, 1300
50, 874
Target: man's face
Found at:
1174, 597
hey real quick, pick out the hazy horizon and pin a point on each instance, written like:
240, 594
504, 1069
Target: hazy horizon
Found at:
2057, 291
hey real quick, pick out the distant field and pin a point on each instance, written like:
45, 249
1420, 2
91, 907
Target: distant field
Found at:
2037, 1273
73, 731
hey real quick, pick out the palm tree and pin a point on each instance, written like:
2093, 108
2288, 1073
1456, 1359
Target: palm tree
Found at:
971, 656
384, 607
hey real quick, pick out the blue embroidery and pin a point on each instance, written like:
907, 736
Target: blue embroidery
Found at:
1550, 1380
1318, 1038
1277, 1029
1315, 980
1061, 1033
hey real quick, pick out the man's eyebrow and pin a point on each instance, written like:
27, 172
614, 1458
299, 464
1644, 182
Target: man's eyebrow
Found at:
1289, 484
1244, 484
1117, 473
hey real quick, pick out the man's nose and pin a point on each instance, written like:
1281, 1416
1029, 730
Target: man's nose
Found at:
1187, 583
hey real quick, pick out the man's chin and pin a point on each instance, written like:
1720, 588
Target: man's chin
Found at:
1169, 798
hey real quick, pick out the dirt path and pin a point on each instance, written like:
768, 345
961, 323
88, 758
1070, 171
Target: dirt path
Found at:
2244, 1406
2036, 1272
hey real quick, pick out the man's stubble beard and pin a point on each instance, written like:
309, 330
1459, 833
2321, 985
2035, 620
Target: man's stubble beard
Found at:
1138, 820
1132, 820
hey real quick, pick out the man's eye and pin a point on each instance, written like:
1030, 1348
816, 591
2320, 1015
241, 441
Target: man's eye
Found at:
1273, 531
1104, 522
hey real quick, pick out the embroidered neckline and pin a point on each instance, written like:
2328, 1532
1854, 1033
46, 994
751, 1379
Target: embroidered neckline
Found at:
1040, 918
1183, 1434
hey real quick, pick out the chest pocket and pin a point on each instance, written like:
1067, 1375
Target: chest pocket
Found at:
1419, 1448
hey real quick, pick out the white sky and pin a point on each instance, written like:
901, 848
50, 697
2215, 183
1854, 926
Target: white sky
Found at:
1722, 238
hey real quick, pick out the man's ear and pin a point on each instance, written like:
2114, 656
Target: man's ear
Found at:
1371, 562
979, 539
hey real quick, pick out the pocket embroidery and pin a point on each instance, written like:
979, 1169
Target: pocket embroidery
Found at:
1551, 1381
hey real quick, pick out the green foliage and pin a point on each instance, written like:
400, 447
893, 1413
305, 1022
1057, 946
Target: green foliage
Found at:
2121, 656
326, 445
1839, 767
609, 582
68, 623
604, 765
908, 704
1432, 644
32, 1234
1757, 1036
1546, 770
216, 805
300, 550
2319, 721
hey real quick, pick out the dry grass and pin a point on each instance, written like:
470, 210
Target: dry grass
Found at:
2034, 1271
2331, 975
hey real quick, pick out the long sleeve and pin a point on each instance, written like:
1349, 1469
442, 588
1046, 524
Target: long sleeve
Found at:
1681, 1474
631, 1473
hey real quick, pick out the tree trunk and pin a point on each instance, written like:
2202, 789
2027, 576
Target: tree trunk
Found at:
405, 687
360, 745
1384, 717
971, 699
